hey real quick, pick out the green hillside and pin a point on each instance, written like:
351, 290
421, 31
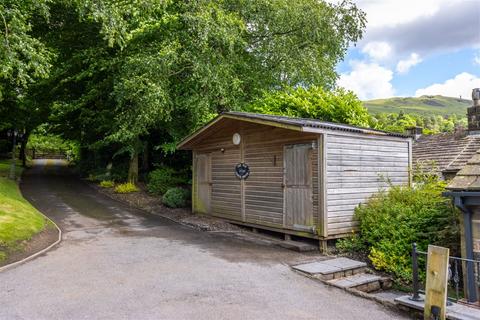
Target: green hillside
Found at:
425, 105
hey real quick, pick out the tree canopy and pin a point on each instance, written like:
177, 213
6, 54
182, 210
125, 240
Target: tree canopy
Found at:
130, 76
317, 103
126, 78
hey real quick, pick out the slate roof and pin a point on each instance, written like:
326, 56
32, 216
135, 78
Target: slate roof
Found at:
467, 179
312, 123
449, 151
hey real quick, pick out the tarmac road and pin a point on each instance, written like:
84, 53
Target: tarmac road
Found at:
118, 263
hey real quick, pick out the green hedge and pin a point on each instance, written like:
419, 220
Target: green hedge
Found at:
176, 197
164, 178
392, 220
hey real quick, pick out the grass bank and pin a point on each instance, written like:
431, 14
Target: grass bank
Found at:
19, 220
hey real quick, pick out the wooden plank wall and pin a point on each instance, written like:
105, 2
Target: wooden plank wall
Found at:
262, 149
356, 168
225, 199
263, 189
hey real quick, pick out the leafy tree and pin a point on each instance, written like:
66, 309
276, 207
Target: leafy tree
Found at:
149, 66
23, 58
432, 125
336, 106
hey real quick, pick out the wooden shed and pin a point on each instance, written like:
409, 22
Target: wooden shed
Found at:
297, 176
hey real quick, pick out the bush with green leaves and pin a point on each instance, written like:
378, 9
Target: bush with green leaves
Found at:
107, 184
176, 197
315, 102
127, 187
164, 178
394, 219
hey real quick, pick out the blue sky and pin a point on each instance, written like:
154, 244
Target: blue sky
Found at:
415, 47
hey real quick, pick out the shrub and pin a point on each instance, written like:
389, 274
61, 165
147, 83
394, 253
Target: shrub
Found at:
127, 187
392, 220
352, 244
176, 197
107, 184
162, 179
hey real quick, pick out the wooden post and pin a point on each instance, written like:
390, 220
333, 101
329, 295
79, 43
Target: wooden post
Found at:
323, 246
437, 281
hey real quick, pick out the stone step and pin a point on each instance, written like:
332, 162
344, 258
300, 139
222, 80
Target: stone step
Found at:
365, 282
332, 269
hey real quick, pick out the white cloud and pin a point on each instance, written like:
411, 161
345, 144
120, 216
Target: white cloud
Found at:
393, 12
424, 27
377, 50
476, 59
461, 85
368, 80
403, 66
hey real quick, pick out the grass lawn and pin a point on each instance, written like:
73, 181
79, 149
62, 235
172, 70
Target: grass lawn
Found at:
5, 168
19, 220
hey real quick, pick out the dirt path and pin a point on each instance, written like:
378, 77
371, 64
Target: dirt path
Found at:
118, 263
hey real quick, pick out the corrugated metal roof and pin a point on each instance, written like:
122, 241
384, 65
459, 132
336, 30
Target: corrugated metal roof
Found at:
449, 151
312, 123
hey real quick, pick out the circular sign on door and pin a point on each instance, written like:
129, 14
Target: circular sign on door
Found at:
242, 171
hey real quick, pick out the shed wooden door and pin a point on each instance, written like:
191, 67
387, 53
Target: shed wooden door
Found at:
202, 183
298, 197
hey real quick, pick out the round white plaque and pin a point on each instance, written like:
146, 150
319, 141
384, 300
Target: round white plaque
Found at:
236, 139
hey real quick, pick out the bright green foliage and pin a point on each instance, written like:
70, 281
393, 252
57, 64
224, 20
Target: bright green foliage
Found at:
392, 220
5, 168
432, 124
19, 220
23, 58
107, 184
352, 244
127, 187
43, 142
176, 197
162, 179
336, 106
126, 71
167, 66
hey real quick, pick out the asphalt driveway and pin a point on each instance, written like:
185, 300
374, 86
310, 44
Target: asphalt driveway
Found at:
119, 263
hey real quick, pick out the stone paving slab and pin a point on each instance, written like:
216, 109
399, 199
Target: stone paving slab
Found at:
355, 280
345, 263
316, 267
329, 266
456, 311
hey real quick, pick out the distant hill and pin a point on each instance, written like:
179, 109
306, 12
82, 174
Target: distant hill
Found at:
425, 105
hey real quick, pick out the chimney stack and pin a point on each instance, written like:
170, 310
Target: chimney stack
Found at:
473, 113
415, 132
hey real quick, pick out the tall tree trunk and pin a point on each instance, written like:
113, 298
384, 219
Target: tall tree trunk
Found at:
23, 148
145, 159
133, 168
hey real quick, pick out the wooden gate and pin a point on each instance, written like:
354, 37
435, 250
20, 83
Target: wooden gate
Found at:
298, 206
202, 183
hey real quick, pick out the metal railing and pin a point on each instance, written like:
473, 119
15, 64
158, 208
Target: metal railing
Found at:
462, 274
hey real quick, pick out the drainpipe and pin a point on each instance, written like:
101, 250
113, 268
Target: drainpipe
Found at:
467, 225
